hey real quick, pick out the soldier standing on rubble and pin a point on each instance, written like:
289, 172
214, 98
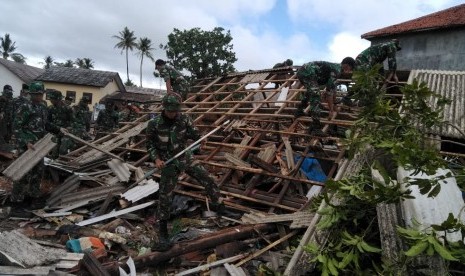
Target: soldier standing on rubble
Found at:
167, 135
370, 57
313, 75
60, 116
29, 126
175, 81
82, 116
107, 120
6, 108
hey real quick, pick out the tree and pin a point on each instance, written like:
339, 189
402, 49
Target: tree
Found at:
127, 41
68, 63
48, 62
8, 48
144, 45
85, 63
202, 53
17, 57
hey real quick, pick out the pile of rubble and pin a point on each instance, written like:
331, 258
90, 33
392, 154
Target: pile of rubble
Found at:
266, 164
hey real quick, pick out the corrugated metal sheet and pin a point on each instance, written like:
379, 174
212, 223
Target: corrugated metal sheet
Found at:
141, 191
299, 219
93, 194
120, 168
30, 158
450, 84
70, 185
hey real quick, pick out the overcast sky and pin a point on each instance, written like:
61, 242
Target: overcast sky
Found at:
264, 31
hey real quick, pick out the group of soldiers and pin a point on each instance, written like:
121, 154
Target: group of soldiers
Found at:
26, 119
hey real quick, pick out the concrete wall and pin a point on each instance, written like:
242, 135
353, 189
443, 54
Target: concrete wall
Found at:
7, 77
432, 50
97, 92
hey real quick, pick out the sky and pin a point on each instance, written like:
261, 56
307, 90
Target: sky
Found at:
264, 32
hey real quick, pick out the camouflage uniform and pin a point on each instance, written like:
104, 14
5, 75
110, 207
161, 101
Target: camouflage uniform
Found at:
60, 115
376, 54
107, 121
313, 75
178, 82
165, 138
6, 113
82, 116
29, 125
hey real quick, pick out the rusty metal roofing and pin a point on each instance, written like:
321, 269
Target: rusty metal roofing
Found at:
450, 84
448, 18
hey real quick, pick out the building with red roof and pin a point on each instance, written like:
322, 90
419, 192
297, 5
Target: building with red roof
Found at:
435, 41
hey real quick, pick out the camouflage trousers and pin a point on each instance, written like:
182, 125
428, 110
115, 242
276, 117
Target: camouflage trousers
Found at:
169, 179
311, 96
29, 185
182, 88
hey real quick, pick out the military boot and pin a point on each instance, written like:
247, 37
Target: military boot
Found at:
164, 242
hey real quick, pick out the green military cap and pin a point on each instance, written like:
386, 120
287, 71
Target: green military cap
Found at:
36, 87
171, 102
54, 94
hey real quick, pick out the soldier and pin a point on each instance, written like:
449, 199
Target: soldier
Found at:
167, 135
285, 75
82, 116
175, 81
371, 56
22, 99
107, 120
6, 108
68, 100
29, 126
312, 75
59, 116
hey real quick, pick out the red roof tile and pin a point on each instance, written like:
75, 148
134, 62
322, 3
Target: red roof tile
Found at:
448, 18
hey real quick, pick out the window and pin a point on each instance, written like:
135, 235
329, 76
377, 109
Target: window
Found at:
71, 94
88, 95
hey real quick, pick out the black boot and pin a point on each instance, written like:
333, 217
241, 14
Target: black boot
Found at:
164, 242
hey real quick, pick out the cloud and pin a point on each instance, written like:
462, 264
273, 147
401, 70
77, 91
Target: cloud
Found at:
345, 44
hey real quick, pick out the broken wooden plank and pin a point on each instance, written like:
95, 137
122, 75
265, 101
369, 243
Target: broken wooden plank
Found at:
211, 265
234, 270
30, 158
93, 266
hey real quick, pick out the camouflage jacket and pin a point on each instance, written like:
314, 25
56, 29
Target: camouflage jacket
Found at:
30, 123
107, 120
59, 116
322, 72
18, 102
6, 108
376, 54
166, 138
168, 72
82, 117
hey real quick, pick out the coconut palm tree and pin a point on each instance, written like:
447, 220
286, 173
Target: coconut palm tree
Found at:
68, 63
127, 41
144, 45
48, 62
8, 47
85, 63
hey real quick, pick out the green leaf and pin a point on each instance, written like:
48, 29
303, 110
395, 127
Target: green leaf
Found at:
369, 248
417, 249
443, 252
435, 191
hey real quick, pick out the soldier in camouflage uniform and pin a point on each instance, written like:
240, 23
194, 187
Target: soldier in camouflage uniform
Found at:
82, 116
285, 74
107, 120
68, 100
167, 135
29, 126
313, 75
370, 57
175, 81
60, 116
6, 110
22, 99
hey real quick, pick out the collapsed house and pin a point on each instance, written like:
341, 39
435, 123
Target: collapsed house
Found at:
266, 164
